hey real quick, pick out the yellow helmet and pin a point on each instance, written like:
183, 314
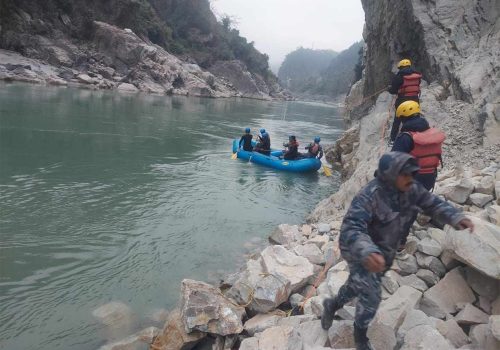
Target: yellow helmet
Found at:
407, 109
404, 63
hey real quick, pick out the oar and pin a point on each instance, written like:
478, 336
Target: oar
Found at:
234, 156
327, 170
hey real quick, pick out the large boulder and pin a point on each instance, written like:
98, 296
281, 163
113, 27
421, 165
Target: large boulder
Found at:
452, 331
279, 337
425, 337
471, 315
311, 252
259, 290
444, 297
480, 249
285, 235
261, 322
204, 308
287, 266
340, 334
135, 341
457, 191
390, 315
174, 335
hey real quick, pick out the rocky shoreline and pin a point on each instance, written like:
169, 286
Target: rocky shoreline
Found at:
120, 60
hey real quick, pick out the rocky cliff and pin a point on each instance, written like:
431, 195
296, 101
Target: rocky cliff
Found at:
160, 46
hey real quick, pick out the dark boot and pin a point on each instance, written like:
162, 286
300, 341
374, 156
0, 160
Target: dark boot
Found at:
330, 307
360, 339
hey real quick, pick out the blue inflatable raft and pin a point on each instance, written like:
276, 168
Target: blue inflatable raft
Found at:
272, 161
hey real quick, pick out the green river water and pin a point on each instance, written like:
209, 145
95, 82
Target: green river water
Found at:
115, 197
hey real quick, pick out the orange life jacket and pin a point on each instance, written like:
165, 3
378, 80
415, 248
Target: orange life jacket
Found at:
411, 85
427, 149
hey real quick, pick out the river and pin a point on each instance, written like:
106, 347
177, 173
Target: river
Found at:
116, 197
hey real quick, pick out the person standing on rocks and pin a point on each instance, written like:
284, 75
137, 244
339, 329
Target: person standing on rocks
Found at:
371, 231
246, 141
406, 85
421, 141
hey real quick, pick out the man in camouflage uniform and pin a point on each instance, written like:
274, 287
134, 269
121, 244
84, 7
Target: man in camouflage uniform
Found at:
372, 228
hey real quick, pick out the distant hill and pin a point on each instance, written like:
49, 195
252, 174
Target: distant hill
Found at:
323, 73
303, 67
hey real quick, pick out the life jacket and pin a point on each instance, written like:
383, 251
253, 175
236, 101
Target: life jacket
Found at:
314, 149
427, 149
411, 85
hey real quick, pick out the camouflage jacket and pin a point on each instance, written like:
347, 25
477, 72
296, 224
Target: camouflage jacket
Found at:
380, 215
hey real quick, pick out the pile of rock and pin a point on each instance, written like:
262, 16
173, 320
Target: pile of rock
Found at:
442, 294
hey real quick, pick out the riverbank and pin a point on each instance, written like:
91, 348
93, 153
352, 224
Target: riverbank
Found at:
120, 60
251, 308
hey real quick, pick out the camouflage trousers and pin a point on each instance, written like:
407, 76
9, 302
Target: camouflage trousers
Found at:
366, 286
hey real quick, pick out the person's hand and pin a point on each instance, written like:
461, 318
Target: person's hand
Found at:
374, 262
466, 224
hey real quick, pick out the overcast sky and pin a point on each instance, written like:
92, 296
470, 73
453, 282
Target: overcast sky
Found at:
280, 26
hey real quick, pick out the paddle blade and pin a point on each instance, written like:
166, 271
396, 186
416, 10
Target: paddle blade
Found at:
327, 170
234, 156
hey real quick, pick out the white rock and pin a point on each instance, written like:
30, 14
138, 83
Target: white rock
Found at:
437, 234
413, 319
482, 338
407, 266
425, 337
340, 334
493, 212
471, 315
431, 263
448, 260
443, 298
452, 331
295, 321
480, 249
486, 185
430, 247
482, 284
414, 282
494, 325
306, 230
285, 234
335, 280
126, 87
205, 309
85, 79
174, 335
391, 281
323, 228
283, 263
312, 334
314, 305
285, 338
260, 322
457, 192
318, 240
391, 315
497, 191
429, 277
311, 252
480, 199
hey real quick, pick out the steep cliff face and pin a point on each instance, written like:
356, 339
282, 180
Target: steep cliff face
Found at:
162, 46
454, 43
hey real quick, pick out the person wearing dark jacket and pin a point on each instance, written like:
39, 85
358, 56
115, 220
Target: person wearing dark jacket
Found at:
292, 146
415, 124
406, 85
371, 231
314, 150
246, 141
264, 144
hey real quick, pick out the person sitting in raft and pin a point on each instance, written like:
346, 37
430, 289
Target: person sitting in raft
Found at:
314, 150
264, 144
292, 151
246, 141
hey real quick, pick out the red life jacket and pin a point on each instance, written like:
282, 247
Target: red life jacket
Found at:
427, 149
411, 85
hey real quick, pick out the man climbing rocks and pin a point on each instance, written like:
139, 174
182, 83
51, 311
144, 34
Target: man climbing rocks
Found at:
371, 232
421, 141
314, 150
246, 141
406, 84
